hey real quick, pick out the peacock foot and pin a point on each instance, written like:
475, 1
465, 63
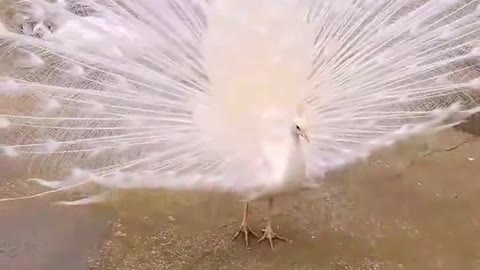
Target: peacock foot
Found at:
270, 235
246, 231
245, 228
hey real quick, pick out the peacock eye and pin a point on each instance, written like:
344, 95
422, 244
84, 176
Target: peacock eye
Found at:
50, 26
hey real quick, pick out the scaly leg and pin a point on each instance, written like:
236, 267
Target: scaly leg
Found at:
244, 227
268, 231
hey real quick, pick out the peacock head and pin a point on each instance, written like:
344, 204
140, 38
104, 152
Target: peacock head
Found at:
281, 123
299, 124
299, 132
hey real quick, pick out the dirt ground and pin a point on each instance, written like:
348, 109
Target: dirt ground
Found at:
413, 207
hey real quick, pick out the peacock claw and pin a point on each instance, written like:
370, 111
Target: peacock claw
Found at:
246, 230
270, 235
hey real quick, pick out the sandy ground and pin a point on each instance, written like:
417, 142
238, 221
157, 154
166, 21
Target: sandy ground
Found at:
413, 207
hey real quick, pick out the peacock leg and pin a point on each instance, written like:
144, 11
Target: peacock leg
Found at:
244, 227
268, 231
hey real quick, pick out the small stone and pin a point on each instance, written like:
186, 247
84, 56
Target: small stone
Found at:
120, 234
469, 159
171, 218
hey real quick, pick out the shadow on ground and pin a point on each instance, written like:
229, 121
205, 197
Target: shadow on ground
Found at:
414, 207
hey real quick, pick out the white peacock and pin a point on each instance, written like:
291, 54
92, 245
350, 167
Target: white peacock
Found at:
256, 97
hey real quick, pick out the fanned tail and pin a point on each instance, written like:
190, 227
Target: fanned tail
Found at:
387, 70
167, 94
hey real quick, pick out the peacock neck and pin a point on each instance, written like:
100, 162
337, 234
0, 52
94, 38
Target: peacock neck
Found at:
279, 154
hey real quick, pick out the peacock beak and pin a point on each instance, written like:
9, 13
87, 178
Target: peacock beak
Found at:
304, 135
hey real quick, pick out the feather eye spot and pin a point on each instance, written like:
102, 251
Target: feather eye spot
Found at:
49, 105
4, 123
475, 52
78, 173
197, 177
95, 107
28, 60
8, 86
51, 146
76, 70
10, 151
475, 84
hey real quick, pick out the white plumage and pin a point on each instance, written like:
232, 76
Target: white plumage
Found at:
217, 95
